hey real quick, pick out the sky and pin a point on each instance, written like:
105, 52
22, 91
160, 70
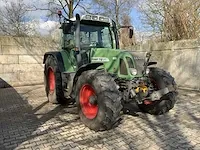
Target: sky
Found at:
41, 15
136, 21
46, 24
135, 18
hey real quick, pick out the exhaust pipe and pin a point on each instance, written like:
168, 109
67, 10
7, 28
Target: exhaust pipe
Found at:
77, 36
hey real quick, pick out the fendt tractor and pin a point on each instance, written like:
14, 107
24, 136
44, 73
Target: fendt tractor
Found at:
101, 79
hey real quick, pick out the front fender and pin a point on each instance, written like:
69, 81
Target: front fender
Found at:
90, 66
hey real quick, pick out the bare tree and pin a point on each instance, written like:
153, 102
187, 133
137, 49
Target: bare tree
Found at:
173, 19
12, 18
114, 9
66, 6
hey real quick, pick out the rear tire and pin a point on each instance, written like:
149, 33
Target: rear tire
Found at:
53, 81
105, 111
162, 79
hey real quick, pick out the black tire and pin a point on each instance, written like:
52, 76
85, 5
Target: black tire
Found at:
57, 95
161, 79
108, 100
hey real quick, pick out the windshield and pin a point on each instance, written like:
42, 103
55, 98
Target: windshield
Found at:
95, 36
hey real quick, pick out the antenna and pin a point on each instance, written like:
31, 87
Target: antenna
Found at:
60, 15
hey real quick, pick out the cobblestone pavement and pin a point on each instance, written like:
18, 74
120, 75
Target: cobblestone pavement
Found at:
28, 121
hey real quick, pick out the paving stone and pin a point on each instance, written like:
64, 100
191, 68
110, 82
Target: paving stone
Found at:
28, 121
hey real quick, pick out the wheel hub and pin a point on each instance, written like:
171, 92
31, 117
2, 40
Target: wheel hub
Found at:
93, 100
88, 101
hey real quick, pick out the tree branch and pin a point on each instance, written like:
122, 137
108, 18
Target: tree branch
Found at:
76, 4
63, 7
67, 4
85, 9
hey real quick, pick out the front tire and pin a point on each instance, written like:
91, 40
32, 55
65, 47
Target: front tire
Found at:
53, 81
98, 100
160, 79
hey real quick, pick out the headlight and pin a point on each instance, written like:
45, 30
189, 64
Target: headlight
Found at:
87, 17
147, 71
95, 18
133, 71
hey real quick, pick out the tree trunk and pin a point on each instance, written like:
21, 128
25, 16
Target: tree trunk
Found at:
71, 2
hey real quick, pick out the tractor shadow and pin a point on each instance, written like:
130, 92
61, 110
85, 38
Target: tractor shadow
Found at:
131, 109
23, 114
29, 121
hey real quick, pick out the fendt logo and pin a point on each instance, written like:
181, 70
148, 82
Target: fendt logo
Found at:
100, 59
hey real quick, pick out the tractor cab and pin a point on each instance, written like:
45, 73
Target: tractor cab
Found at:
91, 31
97, 32
94, 39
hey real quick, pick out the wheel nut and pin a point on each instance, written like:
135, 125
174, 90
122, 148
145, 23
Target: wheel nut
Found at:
93, 100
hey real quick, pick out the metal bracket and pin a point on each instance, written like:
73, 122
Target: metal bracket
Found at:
156, 95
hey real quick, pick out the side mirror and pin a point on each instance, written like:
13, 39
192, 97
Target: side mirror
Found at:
130, 32
68, 28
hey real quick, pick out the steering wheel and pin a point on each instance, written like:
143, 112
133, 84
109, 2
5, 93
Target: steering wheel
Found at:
93, 44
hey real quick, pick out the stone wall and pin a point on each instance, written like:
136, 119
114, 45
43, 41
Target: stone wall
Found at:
180, 58
21, 60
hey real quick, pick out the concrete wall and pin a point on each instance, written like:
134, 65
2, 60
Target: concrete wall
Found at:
21, 60
180, 58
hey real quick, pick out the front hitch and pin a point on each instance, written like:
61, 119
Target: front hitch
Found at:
156, 95
146, 63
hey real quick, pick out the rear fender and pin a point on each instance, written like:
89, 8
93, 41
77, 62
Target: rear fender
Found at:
58, 57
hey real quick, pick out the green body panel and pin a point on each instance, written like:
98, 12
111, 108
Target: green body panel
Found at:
111, 59
69, 60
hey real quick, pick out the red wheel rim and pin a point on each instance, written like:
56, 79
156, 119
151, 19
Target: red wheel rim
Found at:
148, 102
88, 109
51, 78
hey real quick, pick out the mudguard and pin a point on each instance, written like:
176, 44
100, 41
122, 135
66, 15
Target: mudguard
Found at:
90, 66
57, 55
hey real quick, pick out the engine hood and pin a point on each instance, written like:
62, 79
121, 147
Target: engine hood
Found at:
116, 61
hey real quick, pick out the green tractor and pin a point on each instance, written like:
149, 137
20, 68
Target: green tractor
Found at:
101, 79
